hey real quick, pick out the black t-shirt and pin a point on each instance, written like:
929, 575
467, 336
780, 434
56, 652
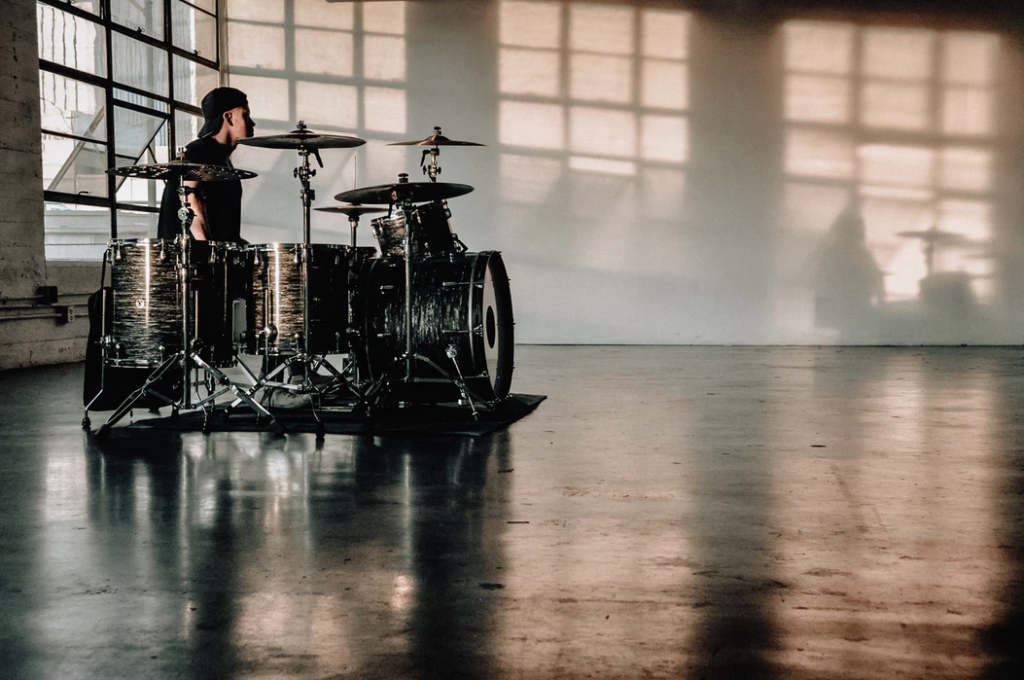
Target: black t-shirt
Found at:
222, 200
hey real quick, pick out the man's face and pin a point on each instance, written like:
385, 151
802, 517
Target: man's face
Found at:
239, 124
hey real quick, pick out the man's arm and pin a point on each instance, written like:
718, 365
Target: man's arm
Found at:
198, 229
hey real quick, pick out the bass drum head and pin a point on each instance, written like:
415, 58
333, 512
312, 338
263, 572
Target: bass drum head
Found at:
498, 337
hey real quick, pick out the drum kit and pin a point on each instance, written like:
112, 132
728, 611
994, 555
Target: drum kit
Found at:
422, 321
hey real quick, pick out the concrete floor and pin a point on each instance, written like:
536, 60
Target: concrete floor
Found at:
667, 512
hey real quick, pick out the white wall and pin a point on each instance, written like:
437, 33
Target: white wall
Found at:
663, 175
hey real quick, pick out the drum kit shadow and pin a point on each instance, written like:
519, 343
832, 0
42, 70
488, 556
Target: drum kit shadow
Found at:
422, 321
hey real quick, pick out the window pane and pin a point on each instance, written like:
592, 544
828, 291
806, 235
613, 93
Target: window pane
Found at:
91, 6
186, 128
71, 106
192, 81
193, 30
76, 232
135, 14
71, 41
136, 132
139, 100
137, 224
139, 65
74, 167
137, 192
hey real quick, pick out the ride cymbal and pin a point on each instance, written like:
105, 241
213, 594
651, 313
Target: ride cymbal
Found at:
352, 210
186, 170
413, 192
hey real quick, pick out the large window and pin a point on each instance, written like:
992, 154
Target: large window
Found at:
120, 83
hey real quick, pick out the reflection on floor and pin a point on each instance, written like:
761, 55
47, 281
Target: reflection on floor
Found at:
668, 512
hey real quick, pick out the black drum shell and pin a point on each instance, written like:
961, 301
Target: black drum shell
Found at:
447, 309
220, 275
275, 297
433, 230
146, 326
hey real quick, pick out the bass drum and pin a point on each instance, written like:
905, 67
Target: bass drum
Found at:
461, 301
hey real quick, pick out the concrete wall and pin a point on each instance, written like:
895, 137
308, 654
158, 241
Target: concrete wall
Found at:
22, 261
674, 172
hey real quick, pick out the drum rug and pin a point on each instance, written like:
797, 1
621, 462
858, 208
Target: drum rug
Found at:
434, 419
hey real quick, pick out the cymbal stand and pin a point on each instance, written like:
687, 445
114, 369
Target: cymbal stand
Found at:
187, 356
311, 362
432, 170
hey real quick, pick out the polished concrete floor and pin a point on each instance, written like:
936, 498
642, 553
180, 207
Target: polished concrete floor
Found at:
667, 512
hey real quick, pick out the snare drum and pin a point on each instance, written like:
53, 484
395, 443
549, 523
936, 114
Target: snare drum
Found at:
461, 300
146, 327
275, 310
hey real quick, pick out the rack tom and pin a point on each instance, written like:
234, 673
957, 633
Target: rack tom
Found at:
276, 323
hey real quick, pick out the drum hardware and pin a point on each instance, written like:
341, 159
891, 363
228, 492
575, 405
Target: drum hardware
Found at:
305, 142
354, 212
452, 352
434, 141
188, 357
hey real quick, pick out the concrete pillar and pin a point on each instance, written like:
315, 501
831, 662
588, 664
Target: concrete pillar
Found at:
22, 258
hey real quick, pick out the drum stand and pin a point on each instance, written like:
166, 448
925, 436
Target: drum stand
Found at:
409, 357
310, 362
188, 355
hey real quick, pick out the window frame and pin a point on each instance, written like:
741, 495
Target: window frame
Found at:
169, 103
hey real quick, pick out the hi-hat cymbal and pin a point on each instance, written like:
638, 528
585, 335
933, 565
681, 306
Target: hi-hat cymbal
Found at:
190, 172
352, 210
436, 139
303, 138
932, 235
414, 192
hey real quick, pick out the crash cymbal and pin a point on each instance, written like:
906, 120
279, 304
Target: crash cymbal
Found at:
414, 192
190, 172
303, 138
932, 235
352, 210
437, 139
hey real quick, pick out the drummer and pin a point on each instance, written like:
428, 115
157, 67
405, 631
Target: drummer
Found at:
217, 206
